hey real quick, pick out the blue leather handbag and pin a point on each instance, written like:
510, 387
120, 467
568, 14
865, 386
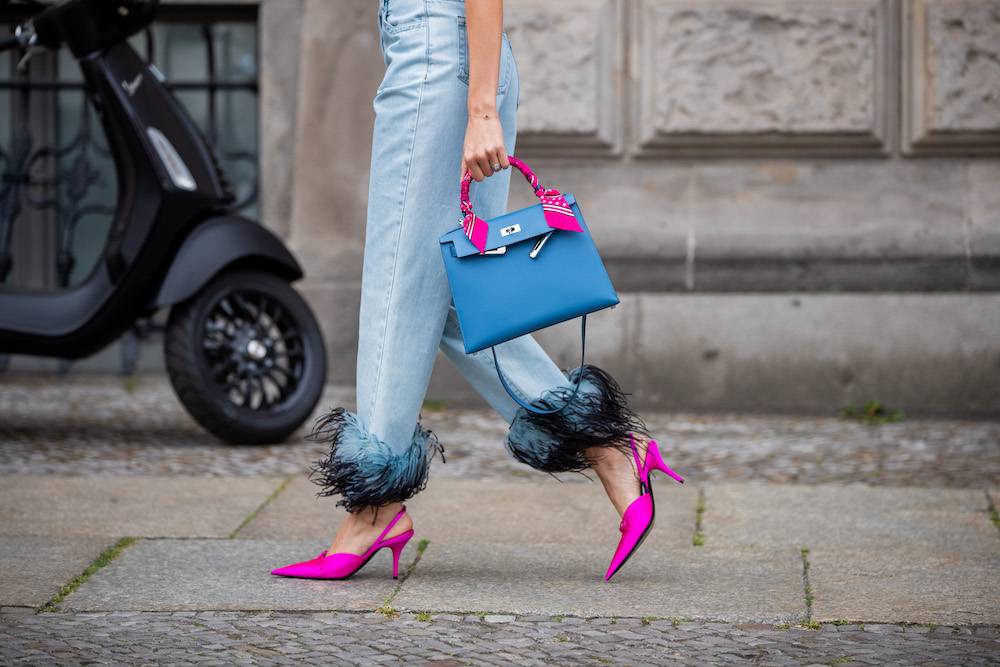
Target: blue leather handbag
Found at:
524, 271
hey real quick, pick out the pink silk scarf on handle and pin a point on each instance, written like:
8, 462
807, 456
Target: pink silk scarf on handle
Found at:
558, 214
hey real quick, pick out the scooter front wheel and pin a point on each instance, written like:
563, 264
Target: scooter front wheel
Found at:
245, 356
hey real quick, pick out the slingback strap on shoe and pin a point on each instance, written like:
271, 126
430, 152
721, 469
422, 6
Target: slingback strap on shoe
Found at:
640, 466
654, 461
391, 523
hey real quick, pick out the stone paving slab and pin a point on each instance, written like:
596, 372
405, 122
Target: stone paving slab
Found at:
32, 569
448, 511
226, 638
875, 554
905, 585
733, 584
848, 515
195, 574
137, 506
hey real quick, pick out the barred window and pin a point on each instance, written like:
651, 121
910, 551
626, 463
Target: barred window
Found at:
54, 155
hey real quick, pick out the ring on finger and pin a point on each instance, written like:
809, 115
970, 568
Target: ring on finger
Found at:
496, 166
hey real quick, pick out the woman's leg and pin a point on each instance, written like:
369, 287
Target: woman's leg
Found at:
380, 455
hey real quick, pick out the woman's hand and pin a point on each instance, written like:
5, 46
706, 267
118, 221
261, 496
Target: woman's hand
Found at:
484, 152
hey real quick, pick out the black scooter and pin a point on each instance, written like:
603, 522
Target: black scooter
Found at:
243, 350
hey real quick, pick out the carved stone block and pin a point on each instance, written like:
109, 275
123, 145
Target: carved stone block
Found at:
280, 35
340, 68
569, 62
951, 83
761, 77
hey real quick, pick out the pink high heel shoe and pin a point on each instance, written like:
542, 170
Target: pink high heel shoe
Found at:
343, 565
637, 520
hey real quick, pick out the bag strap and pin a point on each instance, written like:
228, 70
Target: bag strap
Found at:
558, 213
526, 406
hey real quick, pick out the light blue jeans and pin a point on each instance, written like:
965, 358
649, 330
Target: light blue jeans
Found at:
381, 453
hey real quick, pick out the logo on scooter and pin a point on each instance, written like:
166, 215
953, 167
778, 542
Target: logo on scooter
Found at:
131, 86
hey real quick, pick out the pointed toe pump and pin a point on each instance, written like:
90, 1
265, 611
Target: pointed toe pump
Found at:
637, 519
343, 565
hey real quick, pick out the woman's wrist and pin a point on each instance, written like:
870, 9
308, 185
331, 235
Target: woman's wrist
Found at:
482, 108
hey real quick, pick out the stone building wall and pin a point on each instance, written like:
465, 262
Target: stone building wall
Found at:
799, 202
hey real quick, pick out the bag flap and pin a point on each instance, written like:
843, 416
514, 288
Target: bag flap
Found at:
530, 220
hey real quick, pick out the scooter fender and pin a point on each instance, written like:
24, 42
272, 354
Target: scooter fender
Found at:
217, 244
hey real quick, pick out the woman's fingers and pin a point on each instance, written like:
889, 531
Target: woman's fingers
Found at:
494, 159
483, 161
472, 165
488, 162
482, 167
498, 158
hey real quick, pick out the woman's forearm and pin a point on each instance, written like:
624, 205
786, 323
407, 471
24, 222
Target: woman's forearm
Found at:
484, 24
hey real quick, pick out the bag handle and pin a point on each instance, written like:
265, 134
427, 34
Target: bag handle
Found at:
558, 213
515, 162
576, 389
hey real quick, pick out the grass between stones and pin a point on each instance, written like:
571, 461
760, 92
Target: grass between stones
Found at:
873, 413
250, 517
647, 620
994, 514
387, 609
103, 559
807, 589
698, 539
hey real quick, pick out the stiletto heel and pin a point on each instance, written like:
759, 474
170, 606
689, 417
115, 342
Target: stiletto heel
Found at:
343, 565
397, 544
638, 517
654, 460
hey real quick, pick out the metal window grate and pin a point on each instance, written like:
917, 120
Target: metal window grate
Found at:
58, 190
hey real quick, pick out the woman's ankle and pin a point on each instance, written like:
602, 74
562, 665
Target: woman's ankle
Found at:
360, 528
379, 516
617, 472
618, 460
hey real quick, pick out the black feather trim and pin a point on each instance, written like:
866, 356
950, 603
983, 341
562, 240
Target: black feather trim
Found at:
599, 416
364, 469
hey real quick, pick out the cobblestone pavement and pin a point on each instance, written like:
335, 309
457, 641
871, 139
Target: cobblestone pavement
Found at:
87, 425
188, 638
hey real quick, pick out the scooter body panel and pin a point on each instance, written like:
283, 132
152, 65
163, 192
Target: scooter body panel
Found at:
217, 244
165, 172
57, 313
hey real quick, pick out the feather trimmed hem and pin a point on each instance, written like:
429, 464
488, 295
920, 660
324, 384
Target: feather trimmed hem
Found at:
363, 469
599, 416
